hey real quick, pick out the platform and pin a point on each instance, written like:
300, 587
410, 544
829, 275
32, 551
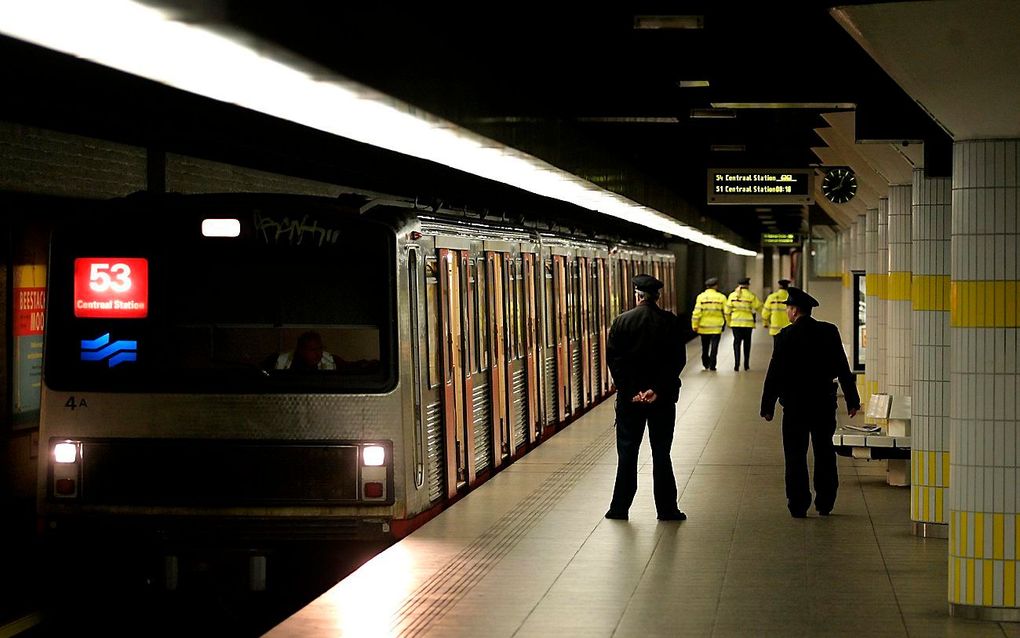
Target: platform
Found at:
530, 554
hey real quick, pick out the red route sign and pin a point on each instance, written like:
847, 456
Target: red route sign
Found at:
111, 287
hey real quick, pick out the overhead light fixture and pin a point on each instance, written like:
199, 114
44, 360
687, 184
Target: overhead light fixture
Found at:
237, 68
821, 106
692, 84
630, 120
728, 148
669, 22
712, 114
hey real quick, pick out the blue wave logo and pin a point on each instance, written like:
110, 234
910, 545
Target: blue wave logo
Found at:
115, 353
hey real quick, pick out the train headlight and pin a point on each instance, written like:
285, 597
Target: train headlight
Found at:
66, 469
66, 452
375, 474
373, 455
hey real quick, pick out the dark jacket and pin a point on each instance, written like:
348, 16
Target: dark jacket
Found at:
807, 356
646, 351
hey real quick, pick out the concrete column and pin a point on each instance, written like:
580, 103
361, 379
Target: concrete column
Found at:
984, 411
929, 452
898, 311
758, 283
845, 239
880, 335
871, 316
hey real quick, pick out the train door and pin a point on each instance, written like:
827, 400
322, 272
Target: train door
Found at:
550, 393
439, 484
456, 379
517, 409
574, 336
496, 279
599, 326
557, 308
671, 285
559, 287
625, 276
584, 329
531, 346
477, 362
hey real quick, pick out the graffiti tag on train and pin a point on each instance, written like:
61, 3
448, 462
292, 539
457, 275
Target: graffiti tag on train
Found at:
293, 231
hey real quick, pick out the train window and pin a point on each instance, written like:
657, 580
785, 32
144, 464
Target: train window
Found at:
482, 302
512, 309
519, 296
273, 310
471, 308
433, 344
570, 300
550, 306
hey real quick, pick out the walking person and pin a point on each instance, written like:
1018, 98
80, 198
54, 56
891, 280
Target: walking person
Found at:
708, 321
773, 311
808, 356
645, 353
741, 306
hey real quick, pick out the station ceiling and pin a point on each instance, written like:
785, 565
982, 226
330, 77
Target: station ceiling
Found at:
613, 94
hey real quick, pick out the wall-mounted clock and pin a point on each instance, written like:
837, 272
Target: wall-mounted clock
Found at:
839, 185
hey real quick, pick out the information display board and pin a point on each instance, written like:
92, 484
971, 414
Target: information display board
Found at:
780, 239
762, 186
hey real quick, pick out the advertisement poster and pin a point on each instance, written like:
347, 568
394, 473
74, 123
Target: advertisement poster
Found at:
29, 320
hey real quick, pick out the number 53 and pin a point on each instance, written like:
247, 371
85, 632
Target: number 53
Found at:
115, 277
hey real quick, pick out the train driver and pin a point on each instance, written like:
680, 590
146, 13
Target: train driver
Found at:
309, 354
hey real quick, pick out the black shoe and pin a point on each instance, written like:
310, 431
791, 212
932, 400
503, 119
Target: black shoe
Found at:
673, 516
712, 368
799, 514
736, 368
616, 516
747, 367
824, 512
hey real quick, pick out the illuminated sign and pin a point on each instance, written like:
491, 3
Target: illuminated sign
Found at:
780, 239
760, 186
113, 353
111, 287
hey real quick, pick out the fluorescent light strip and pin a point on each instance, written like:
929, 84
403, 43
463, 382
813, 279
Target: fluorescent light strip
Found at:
822, 106
149, 42
668, 22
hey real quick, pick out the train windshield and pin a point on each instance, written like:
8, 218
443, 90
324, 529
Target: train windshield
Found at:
281, 298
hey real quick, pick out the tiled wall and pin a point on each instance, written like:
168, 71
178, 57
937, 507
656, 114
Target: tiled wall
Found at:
881, 295
929, 454
984, 534
898, 309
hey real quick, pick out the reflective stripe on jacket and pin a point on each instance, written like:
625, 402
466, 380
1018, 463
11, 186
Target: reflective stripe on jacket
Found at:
707, 317
741, 308
773, 313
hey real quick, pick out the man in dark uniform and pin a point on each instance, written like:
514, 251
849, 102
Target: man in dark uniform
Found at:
808, 355
646, 353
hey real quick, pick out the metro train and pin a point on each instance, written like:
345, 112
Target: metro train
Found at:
445, 347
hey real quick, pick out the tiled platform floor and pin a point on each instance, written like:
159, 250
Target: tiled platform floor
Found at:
529, 553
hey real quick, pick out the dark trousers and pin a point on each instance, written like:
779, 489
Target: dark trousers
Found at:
742, 335
709, 350
819, 425
630, 428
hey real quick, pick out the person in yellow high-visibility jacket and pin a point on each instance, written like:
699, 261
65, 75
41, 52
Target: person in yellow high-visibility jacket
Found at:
740, 309
773, 313
708, 320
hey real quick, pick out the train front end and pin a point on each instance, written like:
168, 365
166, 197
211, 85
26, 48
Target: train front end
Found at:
225, 367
